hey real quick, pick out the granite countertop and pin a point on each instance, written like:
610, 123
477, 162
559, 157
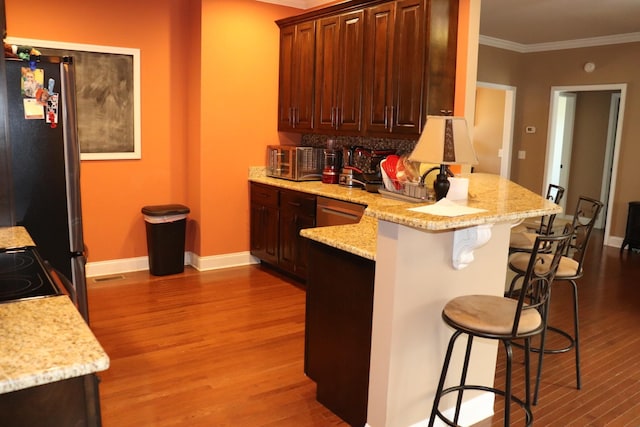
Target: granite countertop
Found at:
501, 200
44, 340
14, 237
359, 239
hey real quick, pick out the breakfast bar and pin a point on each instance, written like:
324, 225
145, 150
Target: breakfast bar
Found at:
415, 274
422, 260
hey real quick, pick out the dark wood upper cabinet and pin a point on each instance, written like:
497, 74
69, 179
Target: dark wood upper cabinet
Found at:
407, 78
297, 67
339, 72
380, 67
378, 57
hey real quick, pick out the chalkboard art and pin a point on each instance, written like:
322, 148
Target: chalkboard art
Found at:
108, 100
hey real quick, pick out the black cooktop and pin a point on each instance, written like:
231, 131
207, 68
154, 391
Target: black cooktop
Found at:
23, 275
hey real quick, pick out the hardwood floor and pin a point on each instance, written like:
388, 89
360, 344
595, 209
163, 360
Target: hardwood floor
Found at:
225, 348
220, 348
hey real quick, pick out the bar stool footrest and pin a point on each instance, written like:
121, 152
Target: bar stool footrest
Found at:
515, 399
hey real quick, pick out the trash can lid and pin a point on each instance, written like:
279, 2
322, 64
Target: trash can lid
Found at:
163, 210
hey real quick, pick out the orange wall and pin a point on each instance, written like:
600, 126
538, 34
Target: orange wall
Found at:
209, 81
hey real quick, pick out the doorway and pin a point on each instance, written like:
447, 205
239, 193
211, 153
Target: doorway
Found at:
493, 127
555, 162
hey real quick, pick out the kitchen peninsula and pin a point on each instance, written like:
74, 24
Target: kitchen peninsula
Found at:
415, 276
47, 352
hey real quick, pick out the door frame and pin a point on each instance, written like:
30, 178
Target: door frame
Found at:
555, 91
507, 126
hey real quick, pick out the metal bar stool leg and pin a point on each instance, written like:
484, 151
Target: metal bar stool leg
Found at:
443, 377
507, 387
463, 378
543, 336
576, 336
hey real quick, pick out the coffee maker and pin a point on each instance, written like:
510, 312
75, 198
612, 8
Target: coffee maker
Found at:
332, 163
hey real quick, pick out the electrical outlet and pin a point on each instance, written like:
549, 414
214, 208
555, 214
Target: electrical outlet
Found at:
522, 154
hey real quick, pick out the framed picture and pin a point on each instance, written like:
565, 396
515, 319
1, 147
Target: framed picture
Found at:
108, 96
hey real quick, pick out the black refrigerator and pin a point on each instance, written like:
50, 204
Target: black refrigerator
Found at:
44, 159
40, 159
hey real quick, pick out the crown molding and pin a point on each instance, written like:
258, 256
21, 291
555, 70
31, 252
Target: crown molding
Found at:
300, 4
567, 44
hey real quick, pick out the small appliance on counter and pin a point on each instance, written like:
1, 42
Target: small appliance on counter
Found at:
332, 163
295, 163
362, 167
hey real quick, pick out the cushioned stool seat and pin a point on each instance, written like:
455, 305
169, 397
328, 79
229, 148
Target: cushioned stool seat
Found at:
490, 314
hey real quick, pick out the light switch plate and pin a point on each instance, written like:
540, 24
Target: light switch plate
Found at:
522, 154
530, 129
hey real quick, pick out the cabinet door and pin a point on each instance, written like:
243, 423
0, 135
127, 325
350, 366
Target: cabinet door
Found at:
339, 72
378, 66
327, 70
351, 68
395, 61
297, 62
297, 211
408, 65
264, 223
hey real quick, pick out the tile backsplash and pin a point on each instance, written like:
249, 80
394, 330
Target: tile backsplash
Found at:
401, 145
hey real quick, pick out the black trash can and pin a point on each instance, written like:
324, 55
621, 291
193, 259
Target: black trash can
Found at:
165, 225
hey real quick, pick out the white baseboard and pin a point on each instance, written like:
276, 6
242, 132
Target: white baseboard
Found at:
215, 262
615, 241
118, 266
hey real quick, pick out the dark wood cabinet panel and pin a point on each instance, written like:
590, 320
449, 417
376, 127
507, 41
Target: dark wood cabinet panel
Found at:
264, 222
277, 216
297, 211
339, 72
395, 61
339, 310
407, 79
297, 62
71, 402
441, 56
380, 67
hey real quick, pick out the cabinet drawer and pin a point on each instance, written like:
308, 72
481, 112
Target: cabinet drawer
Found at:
265, 195
301, 203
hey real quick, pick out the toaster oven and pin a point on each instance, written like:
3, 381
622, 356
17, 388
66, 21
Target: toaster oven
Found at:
294, 163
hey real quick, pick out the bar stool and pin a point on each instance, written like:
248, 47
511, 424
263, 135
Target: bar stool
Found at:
505, 319
570, 269
521, 239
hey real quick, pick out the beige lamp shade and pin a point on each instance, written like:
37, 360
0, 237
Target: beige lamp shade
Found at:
445, 141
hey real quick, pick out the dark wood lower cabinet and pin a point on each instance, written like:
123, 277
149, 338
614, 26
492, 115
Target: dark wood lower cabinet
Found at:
277, 216
68, 403
339, 310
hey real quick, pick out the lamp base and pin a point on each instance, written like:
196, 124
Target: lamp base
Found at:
441, 184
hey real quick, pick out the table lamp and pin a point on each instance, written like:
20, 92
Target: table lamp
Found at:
444, 141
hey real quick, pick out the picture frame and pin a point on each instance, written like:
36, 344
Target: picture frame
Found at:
107, 96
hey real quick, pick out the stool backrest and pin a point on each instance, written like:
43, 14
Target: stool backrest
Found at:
584, 219
555, 194
541, 271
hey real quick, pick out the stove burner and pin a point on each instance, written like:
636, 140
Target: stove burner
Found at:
12, 262
22, 275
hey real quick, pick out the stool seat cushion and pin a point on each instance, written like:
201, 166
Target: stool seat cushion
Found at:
522, 240
490, 314
568, 267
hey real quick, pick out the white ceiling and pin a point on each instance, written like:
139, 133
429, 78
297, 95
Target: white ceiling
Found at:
530, 25
542, 23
